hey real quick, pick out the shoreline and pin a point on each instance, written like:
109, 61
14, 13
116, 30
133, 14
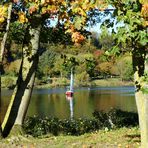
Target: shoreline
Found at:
110, 82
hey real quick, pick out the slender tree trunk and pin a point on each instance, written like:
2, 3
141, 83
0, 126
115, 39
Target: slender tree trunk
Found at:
35, 33
141, 94
2, 53
22, 94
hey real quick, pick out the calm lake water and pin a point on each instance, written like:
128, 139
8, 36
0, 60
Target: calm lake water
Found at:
53, 102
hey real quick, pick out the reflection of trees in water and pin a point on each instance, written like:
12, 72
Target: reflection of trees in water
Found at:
126, 103
107, 99
38, 105
103, 101
85, 102
48, 105
59, 105
83, 107
3, 107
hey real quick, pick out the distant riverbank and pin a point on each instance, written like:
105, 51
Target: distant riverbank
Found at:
99, 82
9, 82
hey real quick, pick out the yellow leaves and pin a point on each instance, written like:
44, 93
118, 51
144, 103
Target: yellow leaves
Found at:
52, 2
51, 9
22, 17
79, 11
3, 12
35, 1
143, 1
44, 10
43, 2
145, 24
101, 5
53, 6
82, 6
144, 14
2, 19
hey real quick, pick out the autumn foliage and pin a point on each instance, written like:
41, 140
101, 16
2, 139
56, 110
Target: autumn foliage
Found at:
65, 11
62, 10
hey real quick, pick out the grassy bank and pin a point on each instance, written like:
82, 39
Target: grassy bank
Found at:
112, 82
9, 82
121, 138
100, 82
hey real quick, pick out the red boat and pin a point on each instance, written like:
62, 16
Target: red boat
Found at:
69, 93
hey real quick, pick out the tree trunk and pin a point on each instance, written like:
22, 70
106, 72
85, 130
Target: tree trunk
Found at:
2, 52
141, 95
22, 94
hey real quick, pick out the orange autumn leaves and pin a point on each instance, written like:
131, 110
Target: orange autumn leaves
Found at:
15, 1
79, 7
77, 38
144, 12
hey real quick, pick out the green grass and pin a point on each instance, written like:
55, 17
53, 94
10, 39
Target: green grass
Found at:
8, 81
100, 82
112, 82
120, 138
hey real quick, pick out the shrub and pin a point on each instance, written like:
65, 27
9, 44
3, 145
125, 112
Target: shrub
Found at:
117, 118
114, 118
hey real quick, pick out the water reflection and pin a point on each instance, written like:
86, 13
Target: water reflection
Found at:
52, 102
71, 106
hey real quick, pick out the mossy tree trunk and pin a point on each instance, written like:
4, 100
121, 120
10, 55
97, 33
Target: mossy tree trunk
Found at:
22, 93
140, 66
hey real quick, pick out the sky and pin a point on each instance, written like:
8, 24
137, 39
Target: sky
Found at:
97, 27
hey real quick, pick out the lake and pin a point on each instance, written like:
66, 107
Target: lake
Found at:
53, 102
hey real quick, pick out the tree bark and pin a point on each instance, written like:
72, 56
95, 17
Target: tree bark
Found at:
140, 66
2, 52
22, 94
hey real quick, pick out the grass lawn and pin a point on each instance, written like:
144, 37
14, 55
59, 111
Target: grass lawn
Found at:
112, 82
117, 138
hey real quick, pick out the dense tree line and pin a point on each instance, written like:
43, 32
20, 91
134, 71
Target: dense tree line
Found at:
90, 60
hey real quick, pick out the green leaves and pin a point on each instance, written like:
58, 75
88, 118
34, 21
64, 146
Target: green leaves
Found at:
115, 50
143, 38
79, 22
134, 32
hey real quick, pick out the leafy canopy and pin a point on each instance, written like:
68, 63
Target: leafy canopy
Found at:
134, 15
72, 13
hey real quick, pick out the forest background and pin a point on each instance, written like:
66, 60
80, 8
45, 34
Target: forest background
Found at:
93, 64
